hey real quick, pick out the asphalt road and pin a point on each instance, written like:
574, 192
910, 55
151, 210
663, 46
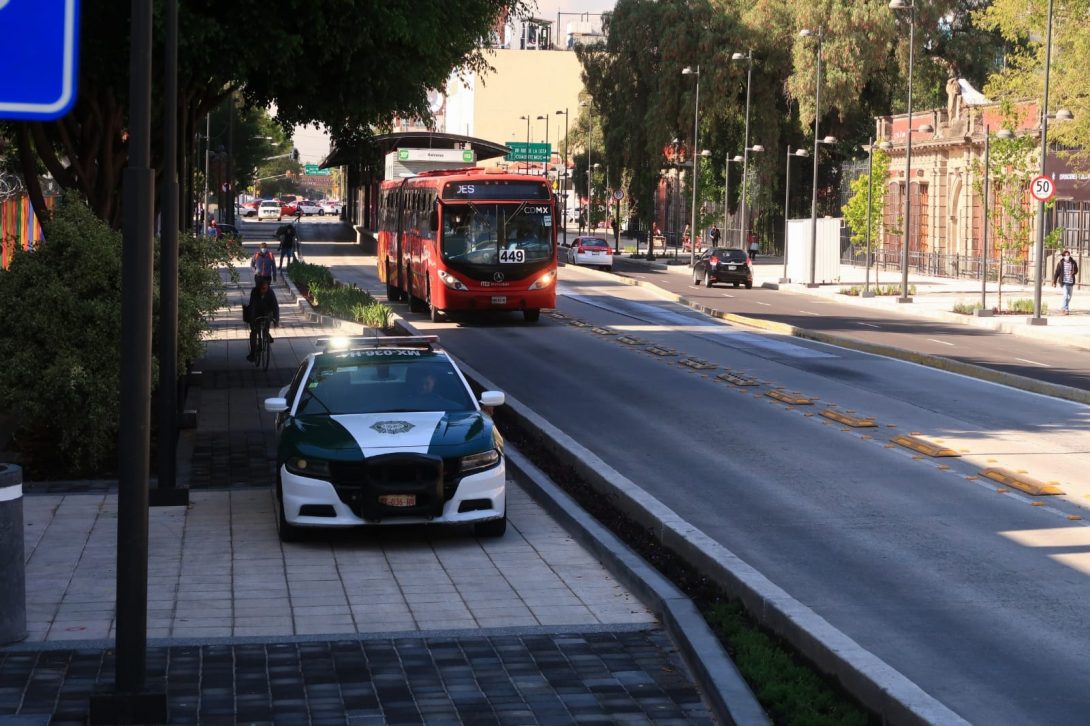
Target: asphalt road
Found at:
977, 596
1031, 358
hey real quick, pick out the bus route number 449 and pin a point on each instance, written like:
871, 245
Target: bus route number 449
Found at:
513, 256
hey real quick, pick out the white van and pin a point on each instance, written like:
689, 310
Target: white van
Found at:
268, 209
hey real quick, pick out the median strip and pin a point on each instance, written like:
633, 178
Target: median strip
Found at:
923, 446
1019, 481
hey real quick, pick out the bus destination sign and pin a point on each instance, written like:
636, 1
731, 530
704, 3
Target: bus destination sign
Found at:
481, 190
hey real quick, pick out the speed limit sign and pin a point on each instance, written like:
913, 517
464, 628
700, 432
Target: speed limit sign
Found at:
1042, 188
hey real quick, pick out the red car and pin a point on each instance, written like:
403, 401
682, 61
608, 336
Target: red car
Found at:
288, 209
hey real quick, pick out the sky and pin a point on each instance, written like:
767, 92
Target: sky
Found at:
313, 144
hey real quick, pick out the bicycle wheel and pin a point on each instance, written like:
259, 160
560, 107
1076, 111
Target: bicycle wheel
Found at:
266, 349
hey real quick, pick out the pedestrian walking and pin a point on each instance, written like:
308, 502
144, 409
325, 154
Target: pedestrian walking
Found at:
582, 222
1067, 270
264, 265
686, 236
713, 234
288, 242
753, 247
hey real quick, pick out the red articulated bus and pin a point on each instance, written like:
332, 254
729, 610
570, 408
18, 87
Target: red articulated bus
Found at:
468, 239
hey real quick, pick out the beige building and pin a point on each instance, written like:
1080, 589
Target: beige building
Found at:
525, 83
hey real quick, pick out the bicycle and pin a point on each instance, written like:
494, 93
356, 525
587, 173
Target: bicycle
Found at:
263, 344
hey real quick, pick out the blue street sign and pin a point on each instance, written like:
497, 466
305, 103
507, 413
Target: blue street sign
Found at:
38, 58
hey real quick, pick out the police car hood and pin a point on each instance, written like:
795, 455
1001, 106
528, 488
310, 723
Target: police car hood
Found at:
423, 432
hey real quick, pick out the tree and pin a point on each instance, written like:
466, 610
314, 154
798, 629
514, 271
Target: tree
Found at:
855, 211
374, 60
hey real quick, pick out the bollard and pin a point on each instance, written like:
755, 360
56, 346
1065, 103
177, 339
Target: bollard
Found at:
12, 563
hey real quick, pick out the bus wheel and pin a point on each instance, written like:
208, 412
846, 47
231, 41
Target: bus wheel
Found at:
434, 313
531, 314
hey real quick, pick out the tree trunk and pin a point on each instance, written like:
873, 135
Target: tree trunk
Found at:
29, 168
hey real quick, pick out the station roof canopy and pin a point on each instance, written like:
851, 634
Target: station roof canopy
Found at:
385, 143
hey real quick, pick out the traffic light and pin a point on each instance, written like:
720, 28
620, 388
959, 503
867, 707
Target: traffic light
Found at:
295, 154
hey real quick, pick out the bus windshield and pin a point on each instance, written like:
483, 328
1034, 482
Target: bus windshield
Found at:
489, 234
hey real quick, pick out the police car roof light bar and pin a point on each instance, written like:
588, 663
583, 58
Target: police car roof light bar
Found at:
393, 341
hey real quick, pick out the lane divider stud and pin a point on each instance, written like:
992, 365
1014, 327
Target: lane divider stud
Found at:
923, 446
1021, 481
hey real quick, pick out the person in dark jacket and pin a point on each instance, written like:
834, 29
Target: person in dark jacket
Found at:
288, 240
1067, 270
262, 304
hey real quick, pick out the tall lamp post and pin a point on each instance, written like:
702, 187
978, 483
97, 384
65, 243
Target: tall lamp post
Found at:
546, 117
590, 134
803, 153
526, 118
911, 8
870, 194
726, 190
563, 184
689, 71
1061, 115
743, 238
748, 58
820, 35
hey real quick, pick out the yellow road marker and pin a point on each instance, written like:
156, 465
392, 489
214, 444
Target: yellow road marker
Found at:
1074, 517
661, 351
944, 467
854, 421
1002, 490
629, 340
697, 364
922, 445
736, 379
1037, 504
971, 477
1021, 482
603, 331
793, 399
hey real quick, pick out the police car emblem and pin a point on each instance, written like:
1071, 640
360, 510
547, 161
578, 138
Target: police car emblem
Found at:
392, 427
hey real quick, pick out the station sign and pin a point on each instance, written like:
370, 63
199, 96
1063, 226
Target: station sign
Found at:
463, 156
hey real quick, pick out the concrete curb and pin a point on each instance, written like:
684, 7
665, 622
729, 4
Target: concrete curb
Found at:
1012, 380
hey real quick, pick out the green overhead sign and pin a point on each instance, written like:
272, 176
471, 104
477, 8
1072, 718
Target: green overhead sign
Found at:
313, 170
521, 151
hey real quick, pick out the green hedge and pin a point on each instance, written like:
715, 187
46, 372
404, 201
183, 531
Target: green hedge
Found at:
347, 302
60, 307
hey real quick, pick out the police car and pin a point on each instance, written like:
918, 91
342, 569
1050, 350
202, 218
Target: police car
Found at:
383, 431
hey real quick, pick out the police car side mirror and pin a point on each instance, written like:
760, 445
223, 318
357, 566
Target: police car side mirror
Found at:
277, 404
491, 399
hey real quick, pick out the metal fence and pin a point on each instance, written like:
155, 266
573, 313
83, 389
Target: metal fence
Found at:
940, 265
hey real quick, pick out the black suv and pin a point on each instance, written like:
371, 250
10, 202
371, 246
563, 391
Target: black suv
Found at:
723, 265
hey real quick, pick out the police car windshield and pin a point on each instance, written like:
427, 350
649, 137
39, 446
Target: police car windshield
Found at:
490, 234
378, 381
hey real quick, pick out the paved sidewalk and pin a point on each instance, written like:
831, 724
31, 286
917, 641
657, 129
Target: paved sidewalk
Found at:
413, 625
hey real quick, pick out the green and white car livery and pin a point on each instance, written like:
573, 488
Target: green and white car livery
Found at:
387, 432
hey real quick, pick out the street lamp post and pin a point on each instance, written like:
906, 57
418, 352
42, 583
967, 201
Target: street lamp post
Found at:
867, 242
726, 190
787, 207
1039, 246
820, 35
689, 71
526, 118
546, 117
743, 238
748, 57
564, 183
911, 8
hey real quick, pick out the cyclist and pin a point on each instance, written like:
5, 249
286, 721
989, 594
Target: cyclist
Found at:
263, 307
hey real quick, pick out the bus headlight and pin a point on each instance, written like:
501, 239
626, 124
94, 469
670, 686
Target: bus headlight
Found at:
451, 281
544, 281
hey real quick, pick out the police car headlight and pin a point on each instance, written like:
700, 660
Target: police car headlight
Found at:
451, 281
313, 468
479, 462
544, 281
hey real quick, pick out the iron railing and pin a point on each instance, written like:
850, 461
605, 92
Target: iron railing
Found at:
942, 265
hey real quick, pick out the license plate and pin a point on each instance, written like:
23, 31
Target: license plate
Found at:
499, 299
595, 254
398, 500
732, 267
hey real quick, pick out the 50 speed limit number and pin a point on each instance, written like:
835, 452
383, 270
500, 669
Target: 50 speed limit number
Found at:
1042, 188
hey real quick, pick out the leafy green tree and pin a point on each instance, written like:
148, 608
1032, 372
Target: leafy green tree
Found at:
855, 211
367, 62
62, 355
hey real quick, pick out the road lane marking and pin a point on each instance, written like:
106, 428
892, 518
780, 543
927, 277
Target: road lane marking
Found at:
807, 312
727, 294
936, 340
869, 325
1033, 362
767, 305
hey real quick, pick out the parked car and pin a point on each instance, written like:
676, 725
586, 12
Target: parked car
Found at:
723, 265
308, 207
386, 431
268, 209
592, 251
